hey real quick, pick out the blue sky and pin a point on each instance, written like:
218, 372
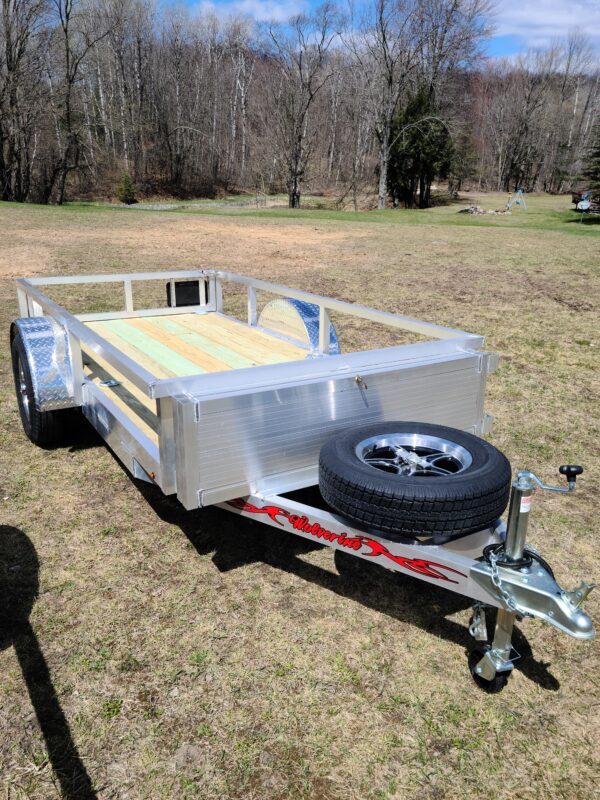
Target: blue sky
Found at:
519, 23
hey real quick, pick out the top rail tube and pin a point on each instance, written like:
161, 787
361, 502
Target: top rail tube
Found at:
117, 277
329, 303
343, 306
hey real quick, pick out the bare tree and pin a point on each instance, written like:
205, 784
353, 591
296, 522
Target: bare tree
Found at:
385, 46
78, 32
301, 58
196, 105
20, 92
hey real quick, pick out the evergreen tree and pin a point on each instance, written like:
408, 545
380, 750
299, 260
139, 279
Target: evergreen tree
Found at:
592, 168
422, 150
126, 190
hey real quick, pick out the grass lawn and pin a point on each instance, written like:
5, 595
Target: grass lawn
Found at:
165, 654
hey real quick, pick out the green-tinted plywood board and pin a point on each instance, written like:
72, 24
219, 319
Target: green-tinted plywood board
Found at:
159, 352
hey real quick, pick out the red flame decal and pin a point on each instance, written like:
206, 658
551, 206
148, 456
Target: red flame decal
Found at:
421, 566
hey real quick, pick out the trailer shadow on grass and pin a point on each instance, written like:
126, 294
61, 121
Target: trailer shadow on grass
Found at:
235, 541
18, 592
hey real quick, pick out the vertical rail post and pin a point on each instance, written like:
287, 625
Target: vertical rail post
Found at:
324, 325
127, 287
77, 367
251, 305
215, 292
202, 291
35, 309
218, 295
22, 299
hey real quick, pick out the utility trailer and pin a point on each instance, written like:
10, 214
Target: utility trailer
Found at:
244, 413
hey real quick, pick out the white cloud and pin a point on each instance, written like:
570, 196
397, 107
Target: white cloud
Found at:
259, 10
538, 22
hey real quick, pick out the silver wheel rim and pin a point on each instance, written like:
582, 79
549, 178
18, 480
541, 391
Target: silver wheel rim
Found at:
23, 390
414, 455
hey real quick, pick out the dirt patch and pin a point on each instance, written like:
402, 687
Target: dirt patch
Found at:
113, 238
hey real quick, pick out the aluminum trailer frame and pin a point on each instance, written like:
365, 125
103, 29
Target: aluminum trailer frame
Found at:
293, 406
383, 384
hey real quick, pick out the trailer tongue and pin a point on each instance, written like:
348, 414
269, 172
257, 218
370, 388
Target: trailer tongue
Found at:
242, 413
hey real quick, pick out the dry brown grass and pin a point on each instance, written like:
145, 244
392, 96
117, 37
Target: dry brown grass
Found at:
194, 655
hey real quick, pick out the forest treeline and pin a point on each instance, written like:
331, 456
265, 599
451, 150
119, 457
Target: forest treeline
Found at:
192, 104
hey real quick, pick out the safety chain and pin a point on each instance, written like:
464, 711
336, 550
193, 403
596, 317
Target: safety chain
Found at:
504, 594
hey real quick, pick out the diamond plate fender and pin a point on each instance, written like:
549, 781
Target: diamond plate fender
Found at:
297, 320
49, 358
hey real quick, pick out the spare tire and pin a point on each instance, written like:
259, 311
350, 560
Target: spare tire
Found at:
410, 479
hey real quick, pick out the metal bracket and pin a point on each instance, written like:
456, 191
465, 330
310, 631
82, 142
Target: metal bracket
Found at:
492, 663
487, 424
577, 595
491, 362
478, 626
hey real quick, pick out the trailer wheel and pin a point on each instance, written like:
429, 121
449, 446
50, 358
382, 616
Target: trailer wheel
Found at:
409, 479
44, 428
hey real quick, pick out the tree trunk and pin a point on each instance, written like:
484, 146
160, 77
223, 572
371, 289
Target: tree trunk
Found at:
384, 161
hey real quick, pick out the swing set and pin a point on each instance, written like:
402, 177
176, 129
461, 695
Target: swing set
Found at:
517, 199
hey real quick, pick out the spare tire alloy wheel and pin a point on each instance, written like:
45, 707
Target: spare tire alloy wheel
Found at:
408, 479
414, 454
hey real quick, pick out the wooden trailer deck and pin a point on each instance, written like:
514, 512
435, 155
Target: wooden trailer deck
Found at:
189, 344
178, 345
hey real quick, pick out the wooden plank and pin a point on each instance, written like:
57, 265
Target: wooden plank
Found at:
191, 344
111, 372
100, 377
203, 351
253, 345
121, 404
160, 353
286, 350
129, 350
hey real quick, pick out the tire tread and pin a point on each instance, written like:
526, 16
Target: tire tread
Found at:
443, 509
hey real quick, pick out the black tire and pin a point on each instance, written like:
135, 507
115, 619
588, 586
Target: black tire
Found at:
499, 680
406, 506
44, 428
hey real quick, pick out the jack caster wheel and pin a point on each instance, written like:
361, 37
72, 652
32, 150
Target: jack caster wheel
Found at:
497, 683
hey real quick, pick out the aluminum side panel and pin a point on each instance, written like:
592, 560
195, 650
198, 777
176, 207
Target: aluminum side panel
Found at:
256, 440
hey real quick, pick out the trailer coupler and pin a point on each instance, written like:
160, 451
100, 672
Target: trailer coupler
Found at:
533, 592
